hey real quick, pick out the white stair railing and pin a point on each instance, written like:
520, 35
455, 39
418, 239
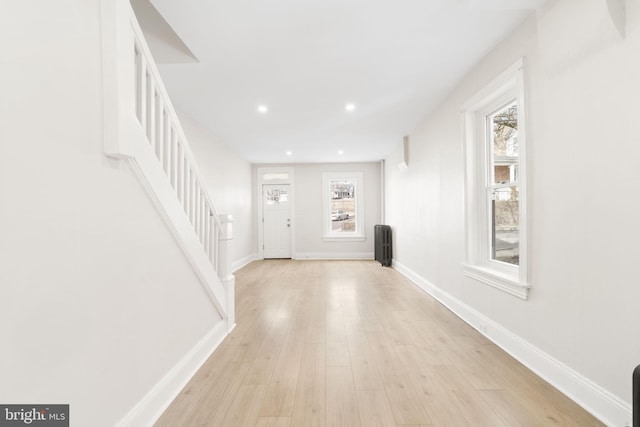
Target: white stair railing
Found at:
149, 134
165, 136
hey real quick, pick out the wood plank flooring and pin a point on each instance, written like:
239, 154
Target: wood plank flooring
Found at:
351, 343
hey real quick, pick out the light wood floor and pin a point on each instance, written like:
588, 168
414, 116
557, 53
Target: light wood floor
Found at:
351, 343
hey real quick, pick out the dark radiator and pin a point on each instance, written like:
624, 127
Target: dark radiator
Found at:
383, 244
636, 397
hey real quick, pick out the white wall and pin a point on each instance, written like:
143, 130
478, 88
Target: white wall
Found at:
229, 181
309, 243
584, 155
97, 302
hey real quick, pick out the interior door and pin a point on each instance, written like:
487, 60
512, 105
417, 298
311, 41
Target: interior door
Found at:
276, 211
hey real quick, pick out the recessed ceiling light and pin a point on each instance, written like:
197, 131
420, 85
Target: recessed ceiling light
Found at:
289, 153
262, 109
340, 152
350, 107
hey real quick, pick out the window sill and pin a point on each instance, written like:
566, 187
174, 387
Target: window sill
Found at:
498, 280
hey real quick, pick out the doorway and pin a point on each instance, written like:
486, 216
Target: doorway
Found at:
276, 211
275, 203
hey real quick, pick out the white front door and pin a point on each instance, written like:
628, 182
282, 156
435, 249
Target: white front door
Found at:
276, 211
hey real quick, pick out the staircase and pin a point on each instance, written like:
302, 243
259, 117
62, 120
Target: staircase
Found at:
142, 128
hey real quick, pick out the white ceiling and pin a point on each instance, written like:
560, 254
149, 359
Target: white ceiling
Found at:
306, 59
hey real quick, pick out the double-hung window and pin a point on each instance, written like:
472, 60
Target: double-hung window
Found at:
343, 205
496, 184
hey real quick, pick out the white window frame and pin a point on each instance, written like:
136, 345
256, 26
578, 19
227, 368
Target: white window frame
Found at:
478, 265
358, 234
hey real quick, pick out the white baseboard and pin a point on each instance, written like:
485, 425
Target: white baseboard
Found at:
237, 265
601, 403
158, 399
333, 255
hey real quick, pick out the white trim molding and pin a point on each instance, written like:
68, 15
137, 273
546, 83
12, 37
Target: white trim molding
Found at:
500, 281
158, 399
334, 255
242, 262
598, 401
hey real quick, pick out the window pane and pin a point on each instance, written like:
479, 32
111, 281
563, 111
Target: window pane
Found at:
343, 206
276, 196
504, 136
506, 225
275, 175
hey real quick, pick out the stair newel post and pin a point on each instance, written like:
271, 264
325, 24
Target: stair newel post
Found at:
224, 266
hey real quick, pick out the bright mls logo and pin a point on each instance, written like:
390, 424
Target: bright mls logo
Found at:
34, 415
